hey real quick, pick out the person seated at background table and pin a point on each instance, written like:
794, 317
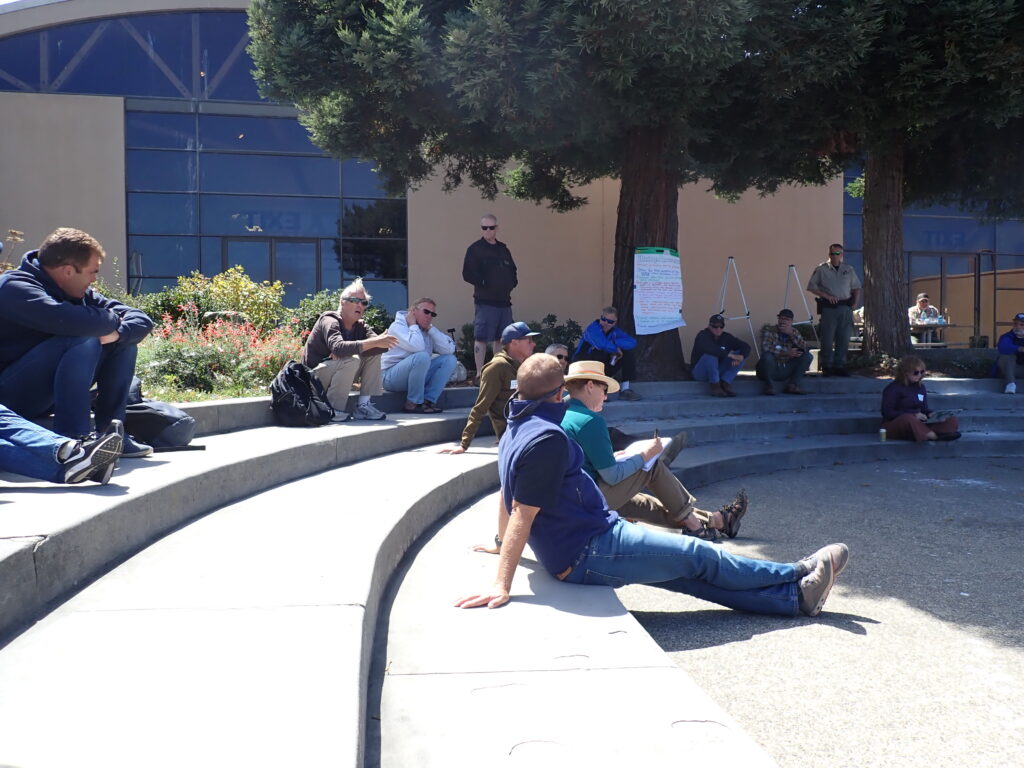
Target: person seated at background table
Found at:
341, 348
905, 406
783, 356
422, 361
717, 357
34, 451
1011, 354
923, 313
605, 341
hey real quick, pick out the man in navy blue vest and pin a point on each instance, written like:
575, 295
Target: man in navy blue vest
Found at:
549, 501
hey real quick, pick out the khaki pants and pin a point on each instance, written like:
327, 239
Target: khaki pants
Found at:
337, 377
667, 504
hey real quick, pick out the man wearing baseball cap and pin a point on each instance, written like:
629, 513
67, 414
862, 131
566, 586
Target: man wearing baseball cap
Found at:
1011, 354
622, 479
784, 357
717, 357
497, 383
922, 313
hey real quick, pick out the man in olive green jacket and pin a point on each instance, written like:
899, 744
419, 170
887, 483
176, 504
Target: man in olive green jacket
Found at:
497, 383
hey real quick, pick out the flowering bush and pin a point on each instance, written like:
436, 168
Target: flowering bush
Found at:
182, 356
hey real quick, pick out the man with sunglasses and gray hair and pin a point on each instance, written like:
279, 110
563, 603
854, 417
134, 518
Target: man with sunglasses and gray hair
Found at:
341, 348
422, 361
837, 288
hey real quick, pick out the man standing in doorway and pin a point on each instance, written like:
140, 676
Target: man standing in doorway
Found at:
838, 290
489, 268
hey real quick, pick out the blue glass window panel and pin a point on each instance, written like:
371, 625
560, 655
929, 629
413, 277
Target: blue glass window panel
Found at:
385, 259
219, 33
924, 266
65, 41
161, 214
853, 236
269, 174
856, 260
374, 218
254, 134
161, 256
851, 204
210, 256
360, 180
19, 58
118, 65
1010, 237
252, 255
295, 266
330, 265
937, 210
140, 285
935, 234
269, 216
156, 171
160, 131
960, 265
392, 295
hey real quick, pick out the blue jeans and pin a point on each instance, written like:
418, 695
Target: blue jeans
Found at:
57, 373
712, 369
420, 376
631, 554
28, 449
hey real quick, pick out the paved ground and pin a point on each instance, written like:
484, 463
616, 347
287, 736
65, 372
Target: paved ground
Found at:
919, 658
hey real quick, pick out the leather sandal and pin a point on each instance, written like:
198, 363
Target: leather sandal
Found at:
732, 514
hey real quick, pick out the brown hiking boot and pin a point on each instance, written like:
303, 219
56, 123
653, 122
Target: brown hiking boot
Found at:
727, 388
716, 390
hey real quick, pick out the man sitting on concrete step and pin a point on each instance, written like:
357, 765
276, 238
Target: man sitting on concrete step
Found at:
622, 479
784, 357
717, 357
497, 382
549, 501
34, 451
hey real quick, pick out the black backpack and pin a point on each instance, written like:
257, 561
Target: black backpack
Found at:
158, 424
298, 399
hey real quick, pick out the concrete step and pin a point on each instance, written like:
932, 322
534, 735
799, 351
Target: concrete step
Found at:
54, 538
716, 461
250, 629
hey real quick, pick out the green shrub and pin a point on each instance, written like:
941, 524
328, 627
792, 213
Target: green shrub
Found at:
550, 333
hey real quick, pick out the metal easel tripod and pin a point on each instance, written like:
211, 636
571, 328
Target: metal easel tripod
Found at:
793, 277
730, 264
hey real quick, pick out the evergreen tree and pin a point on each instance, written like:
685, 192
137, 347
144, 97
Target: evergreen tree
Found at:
537, 97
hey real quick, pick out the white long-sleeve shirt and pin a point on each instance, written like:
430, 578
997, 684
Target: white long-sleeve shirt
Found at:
412, 339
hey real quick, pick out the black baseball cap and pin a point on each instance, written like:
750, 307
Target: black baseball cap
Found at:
786, 313
716, 320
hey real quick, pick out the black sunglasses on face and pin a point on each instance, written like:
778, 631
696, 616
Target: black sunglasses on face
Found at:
429, 312
364, 302
718, 326
562, 357
918, 373
493, 226
607, 320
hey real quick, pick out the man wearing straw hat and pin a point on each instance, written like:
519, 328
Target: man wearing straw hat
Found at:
623, 478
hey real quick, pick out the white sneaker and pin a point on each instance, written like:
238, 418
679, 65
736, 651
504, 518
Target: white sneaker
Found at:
1011, 389
369, 412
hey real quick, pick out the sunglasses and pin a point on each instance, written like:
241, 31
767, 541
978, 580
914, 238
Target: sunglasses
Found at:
562, 357
352, 300
492, 226
718, 326
835, 253
918, 373
428, 311
607, 320
923, 301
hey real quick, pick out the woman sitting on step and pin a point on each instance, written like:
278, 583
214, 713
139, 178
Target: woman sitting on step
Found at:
905, 411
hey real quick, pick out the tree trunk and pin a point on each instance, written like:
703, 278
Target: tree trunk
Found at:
885, 297
647, 216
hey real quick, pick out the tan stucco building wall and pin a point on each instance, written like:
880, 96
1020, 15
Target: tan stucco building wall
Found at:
62, 165
565, 260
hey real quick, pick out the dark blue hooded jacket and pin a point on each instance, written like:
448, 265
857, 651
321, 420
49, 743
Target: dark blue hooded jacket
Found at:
33, 309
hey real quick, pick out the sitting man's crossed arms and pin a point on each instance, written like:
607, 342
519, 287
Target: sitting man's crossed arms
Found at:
549, 501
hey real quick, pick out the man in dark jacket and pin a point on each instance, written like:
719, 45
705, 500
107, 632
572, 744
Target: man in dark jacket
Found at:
489, 268
717, 357
58, 337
